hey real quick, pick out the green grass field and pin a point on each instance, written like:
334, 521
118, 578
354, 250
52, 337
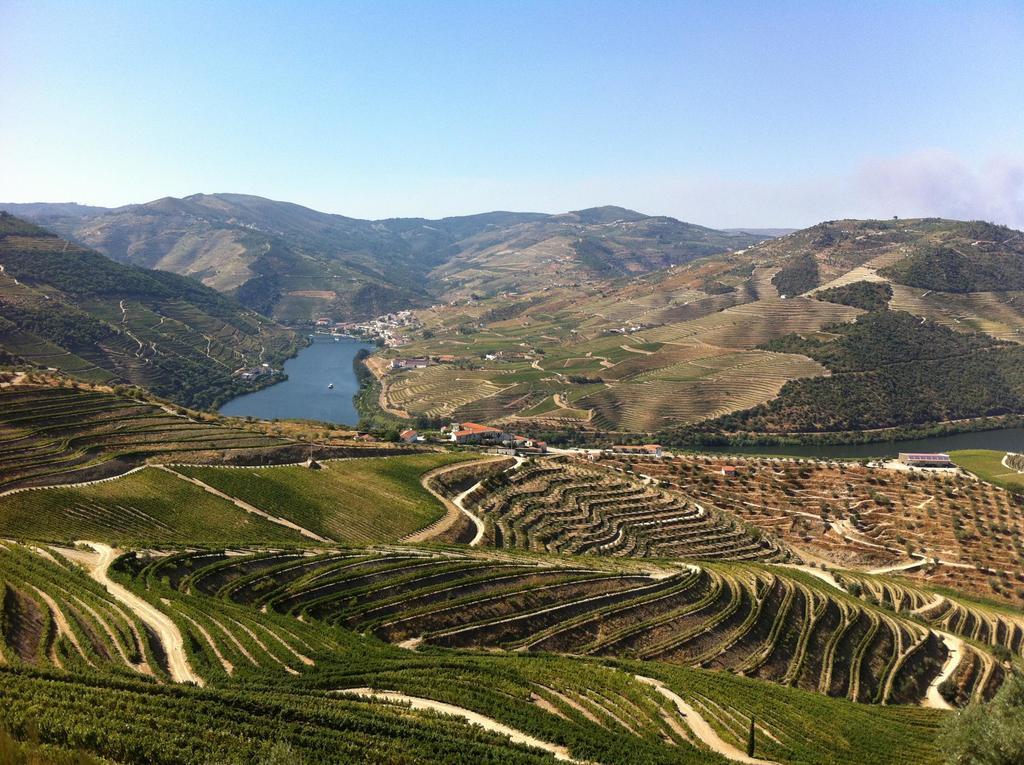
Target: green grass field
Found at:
150, 507
988, 466
362, 501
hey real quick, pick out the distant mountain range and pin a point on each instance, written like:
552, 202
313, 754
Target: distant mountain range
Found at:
295, 264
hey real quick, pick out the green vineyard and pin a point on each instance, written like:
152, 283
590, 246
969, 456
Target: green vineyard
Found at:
763, 622
60, 435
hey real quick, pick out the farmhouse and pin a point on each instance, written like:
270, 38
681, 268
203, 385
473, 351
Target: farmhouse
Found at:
409, 436
253, 373
474, 433
526, 445
924, 459
644, 450
727, 470
416, 363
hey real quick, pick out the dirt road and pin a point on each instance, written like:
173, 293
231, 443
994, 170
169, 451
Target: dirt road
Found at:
247, 507
700, 727
933, 699
487, 723
454, 512
97, 565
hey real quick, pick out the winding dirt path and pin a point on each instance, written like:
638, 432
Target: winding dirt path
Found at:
453, 511
477, 521
487, 723
459, 503
247, 507
701, 728
97, 565
933, 699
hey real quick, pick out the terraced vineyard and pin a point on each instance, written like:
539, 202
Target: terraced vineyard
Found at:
59, 435
362, 501
148, 507
54, 617
439, 391
275, 682
753, 324
993, 633
766, 622
961, 533
691, 391
564, 507
68, 308
54, 434
349, 501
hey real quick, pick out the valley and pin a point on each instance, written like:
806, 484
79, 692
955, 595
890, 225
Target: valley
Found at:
295, 264
458, 383
581, 605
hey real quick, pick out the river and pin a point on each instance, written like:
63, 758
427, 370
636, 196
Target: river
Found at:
305, 395
1005, 440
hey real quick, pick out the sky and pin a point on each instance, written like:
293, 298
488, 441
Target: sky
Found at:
728, 114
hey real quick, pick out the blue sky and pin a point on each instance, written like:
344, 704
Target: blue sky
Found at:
728, 114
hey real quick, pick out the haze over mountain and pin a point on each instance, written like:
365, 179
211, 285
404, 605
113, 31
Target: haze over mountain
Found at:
294, 263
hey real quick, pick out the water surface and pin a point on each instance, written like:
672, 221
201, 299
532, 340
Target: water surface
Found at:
305, 395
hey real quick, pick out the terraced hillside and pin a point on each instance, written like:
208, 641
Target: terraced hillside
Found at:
766, 622
68, 308
78, 651
347, 501
152, 506
350, 501
567, 507
943, 529
739, 343
991, 633
62, 434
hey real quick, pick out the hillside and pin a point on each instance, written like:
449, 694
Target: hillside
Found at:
68, 308
295, 264
612, 610
58, 431
772, 339
587, 246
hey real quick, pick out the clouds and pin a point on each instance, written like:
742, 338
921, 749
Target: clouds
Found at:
938, 183
931, 183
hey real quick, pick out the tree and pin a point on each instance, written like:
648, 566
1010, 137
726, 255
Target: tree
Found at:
991, 733
750, 738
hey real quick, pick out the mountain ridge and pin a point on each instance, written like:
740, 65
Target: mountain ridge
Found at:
297, 263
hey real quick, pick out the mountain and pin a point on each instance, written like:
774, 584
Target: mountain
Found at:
585, 246
295, 264
66, 307
842, 329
